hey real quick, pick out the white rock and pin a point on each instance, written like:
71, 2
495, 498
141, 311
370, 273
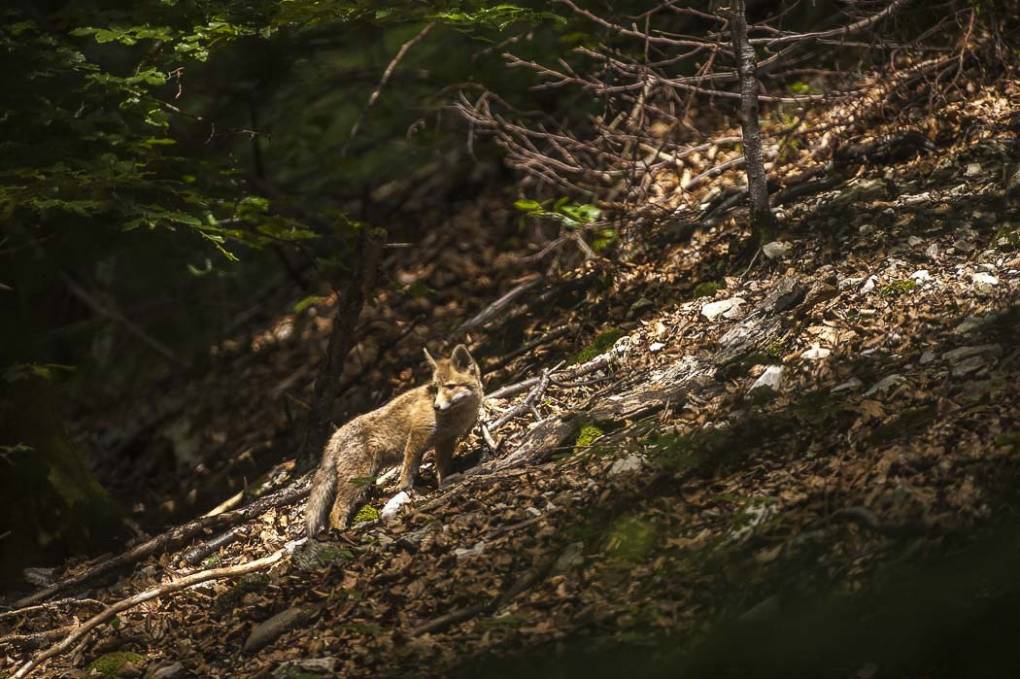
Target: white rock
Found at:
771, 378
969, 324
394, 504
627, 465
914, 241
622, 346
851, 384
984, 282
713, 310
656, 347
777, 249
869, 285
470, 553
961, 353
927, 357
932, 251
973, 169
816, 353
885, 384
866, 229
921, 276
734, 313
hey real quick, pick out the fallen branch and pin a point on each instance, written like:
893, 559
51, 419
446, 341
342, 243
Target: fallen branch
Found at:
387, 74
107, 614
599, 362
170, 540
69, 601
114, 314
497, 307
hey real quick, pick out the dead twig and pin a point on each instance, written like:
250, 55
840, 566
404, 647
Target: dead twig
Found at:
387, 74
170, 540
187, 581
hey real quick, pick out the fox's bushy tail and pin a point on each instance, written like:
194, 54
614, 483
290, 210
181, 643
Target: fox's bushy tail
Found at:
321, 498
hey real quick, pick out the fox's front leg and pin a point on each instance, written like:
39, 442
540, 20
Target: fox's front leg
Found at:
413, 451
444, 456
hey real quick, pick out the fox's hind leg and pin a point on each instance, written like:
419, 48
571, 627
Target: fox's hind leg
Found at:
354, 477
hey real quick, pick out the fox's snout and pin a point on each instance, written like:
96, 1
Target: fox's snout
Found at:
447, 399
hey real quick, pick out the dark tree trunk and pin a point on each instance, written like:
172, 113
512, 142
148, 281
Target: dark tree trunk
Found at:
341, 341
762, 220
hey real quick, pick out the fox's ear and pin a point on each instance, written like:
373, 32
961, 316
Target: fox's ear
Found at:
462, 359
428, 357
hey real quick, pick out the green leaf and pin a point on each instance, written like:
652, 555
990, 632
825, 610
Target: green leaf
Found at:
528, 205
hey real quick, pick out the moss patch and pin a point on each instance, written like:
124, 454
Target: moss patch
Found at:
708, 288
367, 513
586, 437
901, 287
112, 664
631, 539
601, 344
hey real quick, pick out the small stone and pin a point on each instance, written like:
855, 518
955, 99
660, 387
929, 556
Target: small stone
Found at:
927, 357
572, 555
932, 251
777, 249
973, 170
394, 504
168, 671
816, 353
713, 310
869, 285
656, 347
772, 379
866, 229
849, 282
914, 241
291, 668
968, 325
627, 465
968, 365
961, 353
984, 282
921, 276
885, 384
851, 384
470, 553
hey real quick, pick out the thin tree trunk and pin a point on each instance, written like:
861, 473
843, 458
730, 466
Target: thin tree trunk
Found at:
762, 220
341, 341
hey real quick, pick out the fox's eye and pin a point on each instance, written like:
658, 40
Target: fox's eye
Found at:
451, 385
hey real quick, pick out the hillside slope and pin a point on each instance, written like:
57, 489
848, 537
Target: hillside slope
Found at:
806, 463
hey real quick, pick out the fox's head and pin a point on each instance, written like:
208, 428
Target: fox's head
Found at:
456, 381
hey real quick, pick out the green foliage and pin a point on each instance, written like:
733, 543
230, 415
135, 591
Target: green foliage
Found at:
562, 209
367, 513
602, 343
898, 288
499, 16
586, 437
708, 288
631, 539
112, 664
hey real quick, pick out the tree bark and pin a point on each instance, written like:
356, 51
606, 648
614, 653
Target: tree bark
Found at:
762, 220
341, 341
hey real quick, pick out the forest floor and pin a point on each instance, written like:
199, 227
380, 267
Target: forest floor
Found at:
814, 465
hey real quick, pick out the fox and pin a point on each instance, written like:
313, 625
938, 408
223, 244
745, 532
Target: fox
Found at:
434, 416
